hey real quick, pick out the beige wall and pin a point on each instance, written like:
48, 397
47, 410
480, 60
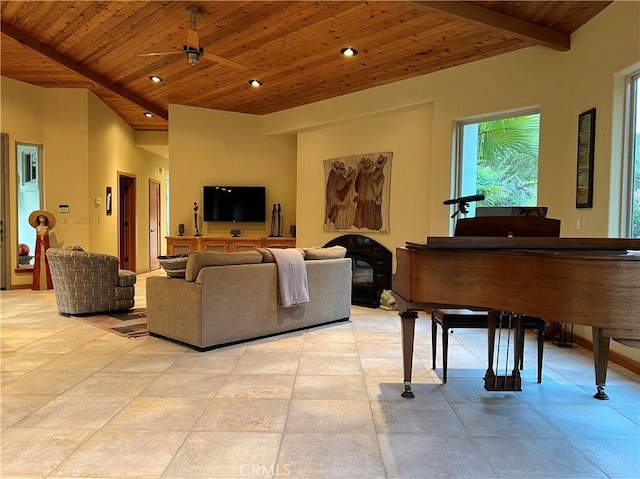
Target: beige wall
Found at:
112, 150
66, 179
55, 118
84, 145
408, 135
208, 147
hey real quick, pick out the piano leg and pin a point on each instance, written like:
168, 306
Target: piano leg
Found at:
492, 320
492, 381
600, 359
408, 322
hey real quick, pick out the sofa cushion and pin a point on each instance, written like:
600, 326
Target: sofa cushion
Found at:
267, 257
201, 259
332, 252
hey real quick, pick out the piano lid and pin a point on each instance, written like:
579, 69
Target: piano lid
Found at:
526, 243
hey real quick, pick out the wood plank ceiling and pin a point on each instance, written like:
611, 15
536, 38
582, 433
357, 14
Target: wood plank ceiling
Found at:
292, 47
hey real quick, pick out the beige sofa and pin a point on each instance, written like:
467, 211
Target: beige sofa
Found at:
229, 303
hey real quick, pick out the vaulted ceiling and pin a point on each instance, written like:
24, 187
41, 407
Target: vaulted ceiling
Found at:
292, 47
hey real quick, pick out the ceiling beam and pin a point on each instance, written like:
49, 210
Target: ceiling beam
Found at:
470, 13
90, 75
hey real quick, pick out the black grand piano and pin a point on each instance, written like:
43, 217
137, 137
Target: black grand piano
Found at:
588, 281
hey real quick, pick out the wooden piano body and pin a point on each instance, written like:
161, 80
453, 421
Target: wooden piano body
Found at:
588, 281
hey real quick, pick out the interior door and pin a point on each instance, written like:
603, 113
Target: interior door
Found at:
127, 221
154, 224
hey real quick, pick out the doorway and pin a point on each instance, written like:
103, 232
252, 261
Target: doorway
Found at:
5, 252
127, 221
154, 224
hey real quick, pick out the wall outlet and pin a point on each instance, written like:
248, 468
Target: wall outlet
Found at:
579, 224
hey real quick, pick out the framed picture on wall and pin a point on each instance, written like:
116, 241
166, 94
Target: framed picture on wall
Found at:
584, 174
108, 201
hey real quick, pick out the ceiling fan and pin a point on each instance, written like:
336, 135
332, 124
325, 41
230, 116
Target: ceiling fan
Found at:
192, 49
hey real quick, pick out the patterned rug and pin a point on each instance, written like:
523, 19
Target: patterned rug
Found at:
129, 324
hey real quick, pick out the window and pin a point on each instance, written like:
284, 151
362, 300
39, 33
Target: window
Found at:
28, 158
498, 157
632, 220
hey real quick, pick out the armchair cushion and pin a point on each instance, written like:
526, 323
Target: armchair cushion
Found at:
126, 278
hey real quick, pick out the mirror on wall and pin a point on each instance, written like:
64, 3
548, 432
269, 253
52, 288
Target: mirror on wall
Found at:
29, 198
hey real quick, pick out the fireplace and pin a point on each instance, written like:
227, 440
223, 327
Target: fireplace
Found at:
371, 264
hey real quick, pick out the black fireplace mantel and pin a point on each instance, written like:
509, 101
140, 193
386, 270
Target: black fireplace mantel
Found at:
371, 266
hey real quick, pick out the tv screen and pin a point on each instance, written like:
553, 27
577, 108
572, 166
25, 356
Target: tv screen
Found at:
234, 203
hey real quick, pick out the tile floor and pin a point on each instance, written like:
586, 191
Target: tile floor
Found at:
325, 403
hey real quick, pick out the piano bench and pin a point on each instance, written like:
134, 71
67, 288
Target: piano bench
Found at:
466, 318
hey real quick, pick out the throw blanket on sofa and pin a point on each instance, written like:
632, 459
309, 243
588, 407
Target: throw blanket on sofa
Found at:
292, 277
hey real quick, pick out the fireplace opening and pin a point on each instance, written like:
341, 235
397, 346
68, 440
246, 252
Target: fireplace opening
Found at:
371, 266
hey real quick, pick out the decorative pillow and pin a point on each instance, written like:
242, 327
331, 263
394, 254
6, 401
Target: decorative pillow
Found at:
202, 259
175, 265
333, 252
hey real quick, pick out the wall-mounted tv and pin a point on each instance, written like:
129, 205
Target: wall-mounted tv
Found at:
234, 203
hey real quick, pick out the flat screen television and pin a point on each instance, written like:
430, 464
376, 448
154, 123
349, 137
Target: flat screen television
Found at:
234, 203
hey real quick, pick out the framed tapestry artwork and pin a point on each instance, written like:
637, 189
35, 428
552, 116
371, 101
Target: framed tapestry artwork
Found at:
584, 176
357, 193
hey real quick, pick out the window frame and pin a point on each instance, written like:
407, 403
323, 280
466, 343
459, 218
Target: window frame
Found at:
632, 93
457, 167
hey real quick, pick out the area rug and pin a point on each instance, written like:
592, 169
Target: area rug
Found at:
129, 324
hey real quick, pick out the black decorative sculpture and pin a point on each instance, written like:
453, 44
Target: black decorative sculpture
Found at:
272, 232
195, 219
279, 220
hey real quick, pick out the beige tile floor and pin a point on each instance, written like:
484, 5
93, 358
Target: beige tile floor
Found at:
324, 403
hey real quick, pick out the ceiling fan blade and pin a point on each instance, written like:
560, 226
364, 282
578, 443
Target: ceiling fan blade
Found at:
193, 40
224, 61
158, 54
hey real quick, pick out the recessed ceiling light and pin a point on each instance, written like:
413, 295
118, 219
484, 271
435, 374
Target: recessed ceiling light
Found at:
156, 79
147, 114
255, 83
349, 52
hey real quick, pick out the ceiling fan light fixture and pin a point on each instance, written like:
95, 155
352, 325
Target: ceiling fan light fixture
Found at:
255, 83
148, 114
193, 55
192, 58
349, 52
156, 79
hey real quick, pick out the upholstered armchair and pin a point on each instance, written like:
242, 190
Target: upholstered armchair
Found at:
86, 282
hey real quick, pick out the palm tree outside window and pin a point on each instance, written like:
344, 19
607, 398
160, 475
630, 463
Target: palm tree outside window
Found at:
498, 157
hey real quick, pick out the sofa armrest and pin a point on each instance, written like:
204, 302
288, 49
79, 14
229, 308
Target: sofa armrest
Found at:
174, 309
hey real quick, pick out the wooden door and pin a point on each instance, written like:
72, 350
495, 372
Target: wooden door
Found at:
127, 221
155, 247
